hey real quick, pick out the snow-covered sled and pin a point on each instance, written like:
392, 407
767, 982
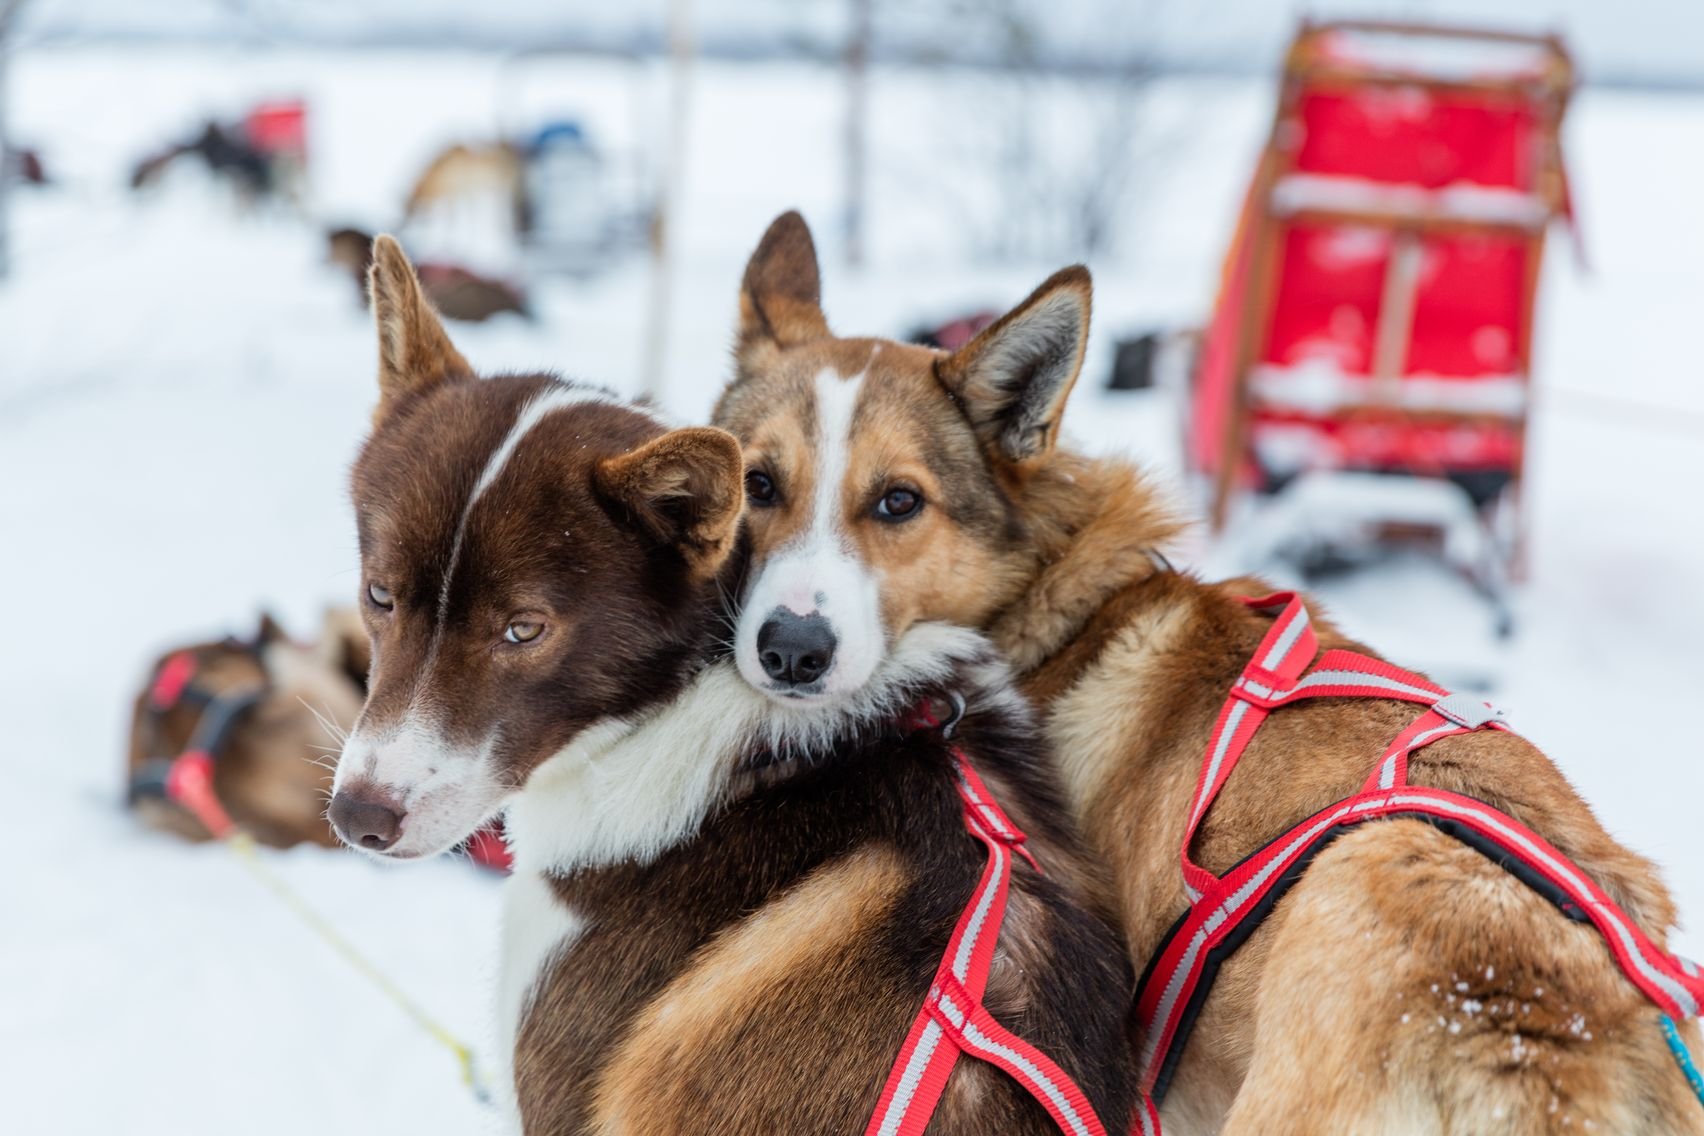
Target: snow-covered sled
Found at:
1375, 315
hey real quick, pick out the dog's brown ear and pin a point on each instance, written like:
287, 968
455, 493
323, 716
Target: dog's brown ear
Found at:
1013, 379
269, 631
415, 353
781, 295
344, 645
686, 489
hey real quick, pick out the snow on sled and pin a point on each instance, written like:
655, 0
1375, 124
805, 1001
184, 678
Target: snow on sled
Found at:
1374, 322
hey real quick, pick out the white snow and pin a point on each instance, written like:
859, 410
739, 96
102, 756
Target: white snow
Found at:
181, 389
1463, 201
1319, 386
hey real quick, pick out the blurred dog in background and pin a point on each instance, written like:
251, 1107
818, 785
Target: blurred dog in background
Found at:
266, 710
456, 292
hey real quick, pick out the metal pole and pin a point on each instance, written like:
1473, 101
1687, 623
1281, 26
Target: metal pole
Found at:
655, 346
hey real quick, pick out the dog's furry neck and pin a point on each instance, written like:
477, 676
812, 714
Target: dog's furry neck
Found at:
627, 789
1096, 527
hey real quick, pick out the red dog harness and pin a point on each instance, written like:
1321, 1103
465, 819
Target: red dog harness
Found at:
1225, 910
953, 1019
187, 778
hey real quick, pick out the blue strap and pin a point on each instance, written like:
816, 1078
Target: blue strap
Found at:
1682, 1057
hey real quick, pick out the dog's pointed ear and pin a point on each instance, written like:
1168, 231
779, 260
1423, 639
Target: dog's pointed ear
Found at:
686, 489
781, 294
344, 646
269, 631
1013, 378
415, 352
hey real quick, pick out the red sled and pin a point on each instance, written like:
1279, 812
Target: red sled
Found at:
1376, 311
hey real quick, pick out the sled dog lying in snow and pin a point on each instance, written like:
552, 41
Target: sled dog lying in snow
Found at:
263, 709
1406, 982
726, 912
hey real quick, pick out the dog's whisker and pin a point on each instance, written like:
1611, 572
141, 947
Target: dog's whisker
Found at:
336, 732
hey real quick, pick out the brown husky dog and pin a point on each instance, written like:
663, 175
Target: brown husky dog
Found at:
1406, 983
725, 912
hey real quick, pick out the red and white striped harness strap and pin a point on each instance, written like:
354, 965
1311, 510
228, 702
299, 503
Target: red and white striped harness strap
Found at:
1225, 910
953, 1019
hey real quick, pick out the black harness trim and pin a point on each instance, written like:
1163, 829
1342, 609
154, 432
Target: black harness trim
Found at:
1256, 914
220, 714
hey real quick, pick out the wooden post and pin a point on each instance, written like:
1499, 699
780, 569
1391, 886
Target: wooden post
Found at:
1397, 301
855, 139
655, 344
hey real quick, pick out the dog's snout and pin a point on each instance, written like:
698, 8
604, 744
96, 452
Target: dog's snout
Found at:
365, 823
795, 649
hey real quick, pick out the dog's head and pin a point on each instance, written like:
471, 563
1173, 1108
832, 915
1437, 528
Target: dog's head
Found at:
536, 558
880, 476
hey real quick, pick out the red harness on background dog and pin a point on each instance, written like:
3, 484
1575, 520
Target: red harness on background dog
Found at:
953, 1019
186, 779
1225, 910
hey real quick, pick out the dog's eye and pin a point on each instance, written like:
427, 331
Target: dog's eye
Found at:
381, 596
522, 631
760, 488
898, 504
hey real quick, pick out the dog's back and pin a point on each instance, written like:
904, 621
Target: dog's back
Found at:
1472, 1005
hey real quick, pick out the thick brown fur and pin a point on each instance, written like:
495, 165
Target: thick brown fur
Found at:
1406, 984
757, 970
683, 488
615, 601
760, 976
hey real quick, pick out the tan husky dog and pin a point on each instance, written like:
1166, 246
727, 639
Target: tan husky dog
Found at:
1406, 984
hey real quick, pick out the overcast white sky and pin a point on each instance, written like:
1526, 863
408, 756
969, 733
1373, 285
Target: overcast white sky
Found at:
1617, 40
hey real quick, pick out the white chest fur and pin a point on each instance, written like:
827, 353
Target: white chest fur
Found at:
623, 792
538, 928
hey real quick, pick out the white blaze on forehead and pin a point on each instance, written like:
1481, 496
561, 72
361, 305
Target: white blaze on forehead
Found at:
819, 571
836, 406
554, 397
818, 562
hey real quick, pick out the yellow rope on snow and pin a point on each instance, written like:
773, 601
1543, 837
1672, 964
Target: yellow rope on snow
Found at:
244, 846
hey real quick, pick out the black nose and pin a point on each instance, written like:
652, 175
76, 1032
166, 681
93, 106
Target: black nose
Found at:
795, 648
365, 823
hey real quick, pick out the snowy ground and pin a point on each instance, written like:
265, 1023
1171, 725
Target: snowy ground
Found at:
181, 389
